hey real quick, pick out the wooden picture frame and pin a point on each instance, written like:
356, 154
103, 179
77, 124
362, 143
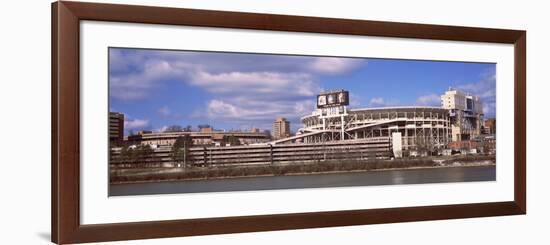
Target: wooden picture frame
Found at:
65, 169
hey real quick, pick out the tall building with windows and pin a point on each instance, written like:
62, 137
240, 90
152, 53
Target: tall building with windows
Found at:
116, 127
465, 112
281, 128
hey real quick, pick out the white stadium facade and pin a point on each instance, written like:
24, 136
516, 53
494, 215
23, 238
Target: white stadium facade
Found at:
458, 118
412, 122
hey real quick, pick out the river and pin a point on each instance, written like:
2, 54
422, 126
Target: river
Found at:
370, 178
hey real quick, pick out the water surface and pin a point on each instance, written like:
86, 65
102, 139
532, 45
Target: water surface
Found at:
371, 178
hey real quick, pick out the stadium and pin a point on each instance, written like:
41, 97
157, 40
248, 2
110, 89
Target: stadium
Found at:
412, 123
458, 118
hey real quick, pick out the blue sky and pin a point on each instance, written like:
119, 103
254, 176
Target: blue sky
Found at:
232, 91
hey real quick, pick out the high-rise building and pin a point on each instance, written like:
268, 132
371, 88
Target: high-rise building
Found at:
116, 127
465, 112
281, 128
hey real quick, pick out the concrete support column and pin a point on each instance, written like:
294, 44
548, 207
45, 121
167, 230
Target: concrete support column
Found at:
342, 127
406, 135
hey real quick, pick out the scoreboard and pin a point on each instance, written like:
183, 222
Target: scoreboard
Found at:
333, 99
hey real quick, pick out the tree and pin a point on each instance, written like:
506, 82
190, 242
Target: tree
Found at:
424, 145
143, 154
180, 150
124, 156
201, 126
174, 128
231, 140
128, 155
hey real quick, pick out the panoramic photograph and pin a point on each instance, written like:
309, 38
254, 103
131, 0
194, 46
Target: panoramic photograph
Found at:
203, 121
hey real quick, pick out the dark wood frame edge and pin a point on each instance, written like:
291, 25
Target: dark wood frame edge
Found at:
65, 209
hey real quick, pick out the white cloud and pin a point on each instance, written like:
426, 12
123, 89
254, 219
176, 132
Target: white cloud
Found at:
164, 111
330, 65
376, 101
486, 90
355, 100
218, 108
381, 102
259, 111
262, 113
140, 84
136, 124
241, 88
429, 100
161, 129
135, 74
246, 98
256, 83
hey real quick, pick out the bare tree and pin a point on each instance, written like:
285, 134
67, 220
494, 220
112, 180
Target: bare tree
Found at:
424, 145
174, 128
180, 150
231, 140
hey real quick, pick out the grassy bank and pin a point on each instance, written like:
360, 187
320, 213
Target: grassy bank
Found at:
179, 174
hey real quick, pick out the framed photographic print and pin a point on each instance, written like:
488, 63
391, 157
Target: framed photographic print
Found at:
177, 122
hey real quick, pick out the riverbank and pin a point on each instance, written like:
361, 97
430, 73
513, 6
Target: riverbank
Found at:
146, 175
